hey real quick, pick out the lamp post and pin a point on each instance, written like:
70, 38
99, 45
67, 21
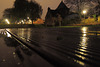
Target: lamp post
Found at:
84, 12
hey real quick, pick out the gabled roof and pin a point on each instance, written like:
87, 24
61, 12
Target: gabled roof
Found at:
52, 12
62, 5
62, 9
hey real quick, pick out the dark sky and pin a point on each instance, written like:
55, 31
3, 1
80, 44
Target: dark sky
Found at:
44, 3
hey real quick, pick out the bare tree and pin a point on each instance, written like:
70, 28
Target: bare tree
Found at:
80, 5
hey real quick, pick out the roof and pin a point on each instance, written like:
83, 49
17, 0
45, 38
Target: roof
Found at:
62, 5
62, 9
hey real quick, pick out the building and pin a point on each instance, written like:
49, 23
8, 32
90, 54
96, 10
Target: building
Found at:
54, 17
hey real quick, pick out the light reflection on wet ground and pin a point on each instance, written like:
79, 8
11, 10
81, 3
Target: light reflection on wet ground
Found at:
13, 54
83, 45
80, 44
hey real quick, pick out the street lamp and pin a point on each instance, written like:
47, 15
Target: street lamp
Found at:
84, 12
7, 21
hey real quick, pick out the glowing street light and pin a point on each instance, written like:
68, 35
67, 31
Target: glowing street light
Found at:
84, 12
7, 21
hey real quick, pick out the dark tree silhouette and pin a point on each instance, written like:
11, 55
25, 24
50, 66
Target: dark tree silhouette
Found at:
23, 9
20, 7
9, 13
97, 9
34, 12
92, 6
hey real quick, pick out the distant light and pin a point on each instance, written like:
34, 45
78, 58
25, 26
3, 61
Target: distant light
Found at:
7, 21
84, 11
28, 18
22, 21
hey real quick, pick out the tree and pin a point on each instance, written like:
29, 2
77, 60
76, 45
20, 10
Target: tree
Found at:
80, 5
9, 13
34, 12
97, 9
23, 9
20, 9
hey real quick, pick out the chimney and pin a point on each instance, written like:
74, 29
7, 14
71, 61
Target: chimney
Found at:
49, 8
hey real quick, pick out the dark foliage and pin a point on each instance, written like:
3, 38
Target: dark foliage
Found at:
92, 6
23, 9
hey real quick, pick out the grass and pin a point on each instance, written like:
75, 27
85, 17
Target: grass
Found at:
79, 25
43, 26
20, 26
67, 26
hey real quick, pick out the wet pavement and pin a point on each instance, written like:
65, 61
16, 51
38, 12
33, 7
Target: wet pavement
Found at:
13, 54
77, 47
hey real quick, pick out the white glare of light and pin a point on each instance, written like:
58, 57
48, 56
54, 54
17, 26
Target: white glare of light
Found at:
84, 11
8, 35
84, 30
84, 35
28, 18
22, 21
7, 21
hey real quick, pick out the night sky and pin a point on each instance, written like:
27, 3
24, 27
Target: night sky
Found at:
44, 3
